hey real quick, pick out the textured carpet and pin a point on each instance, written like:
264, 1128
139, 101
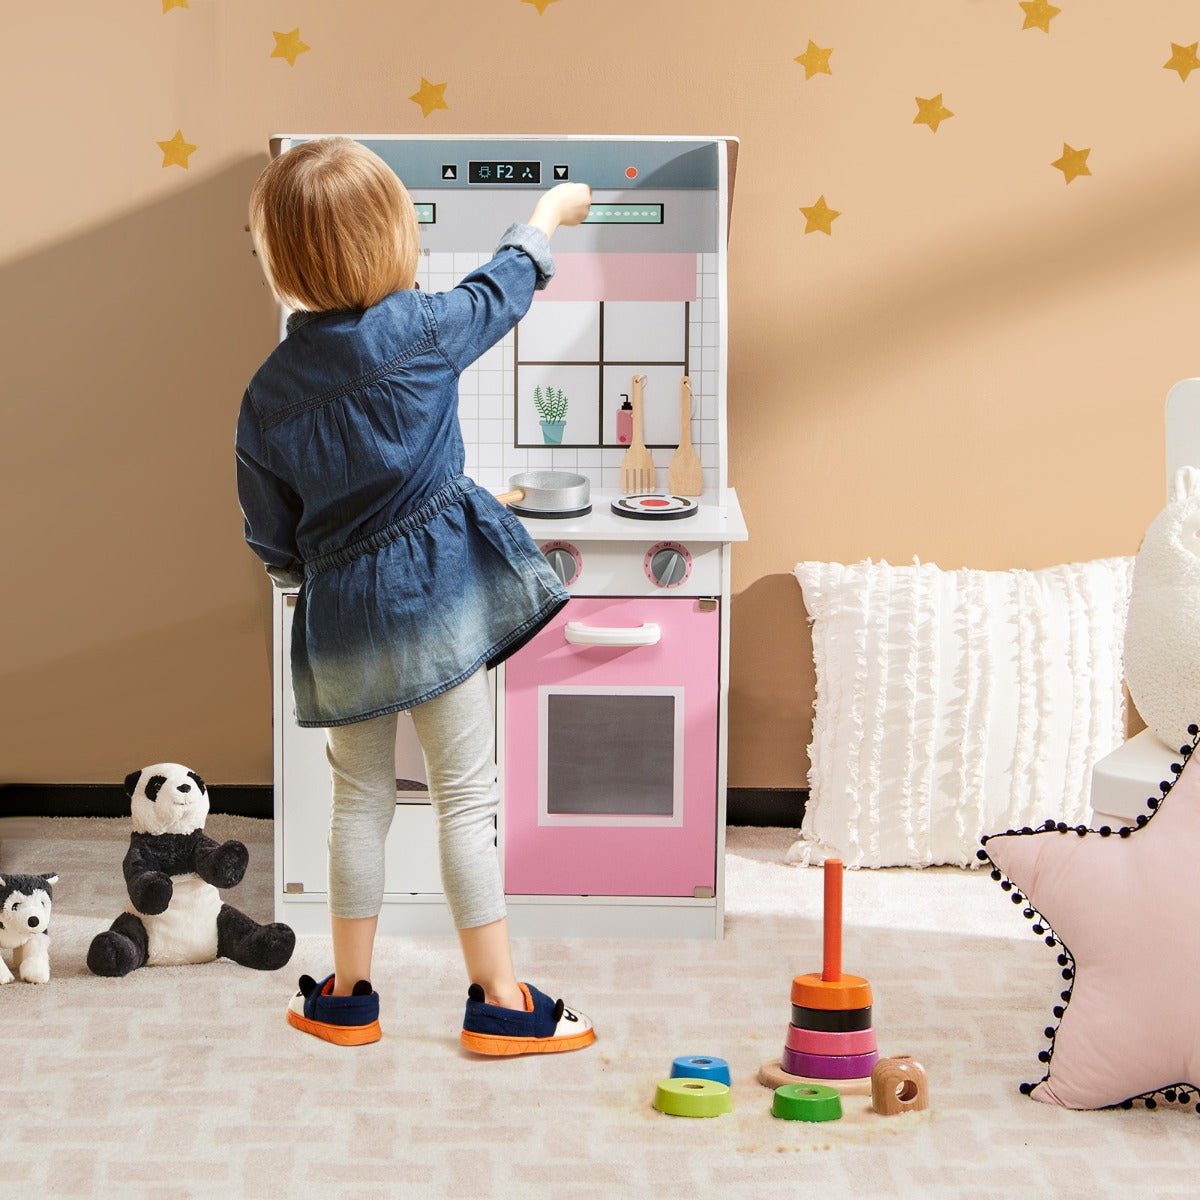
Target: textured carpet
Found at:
185, 1082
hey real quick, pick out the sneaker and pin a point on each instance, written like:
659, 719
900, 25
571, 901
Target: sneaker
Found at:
545, 1027
343, 1020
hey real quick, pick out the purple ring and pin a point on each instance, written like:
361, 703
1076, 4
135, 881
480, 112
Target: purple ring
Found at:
828, 1066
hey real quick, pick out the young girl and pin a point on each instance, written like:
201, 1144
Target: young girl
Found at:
413, 581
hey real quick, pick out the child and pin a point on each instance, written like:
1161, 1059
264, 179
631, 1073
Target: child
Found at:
413, 581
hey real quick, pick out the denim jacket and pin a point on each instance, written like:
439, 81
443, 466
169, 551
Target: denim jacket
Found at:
350, 478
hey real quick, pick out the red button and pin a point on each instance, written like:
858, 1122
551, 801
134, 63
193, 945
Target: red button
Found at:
655, 503
631, 172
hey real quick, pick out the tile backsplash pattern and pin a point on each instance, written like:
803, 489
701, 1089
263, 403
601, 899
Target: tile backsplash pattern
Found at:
486, 393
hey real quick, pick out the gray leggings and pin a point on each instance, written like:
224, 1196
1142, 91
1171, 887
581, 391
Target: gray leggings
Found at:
457, 738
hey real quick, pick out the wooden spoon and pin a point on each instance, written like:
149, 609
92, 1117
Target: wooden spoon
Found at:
685, 476
637, 467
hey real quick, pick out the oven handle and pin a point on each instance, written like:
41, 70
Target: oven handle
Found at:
579, 634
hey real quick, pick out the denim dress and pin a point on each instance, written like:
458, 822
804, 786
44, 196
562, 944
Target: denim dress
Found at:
350, 478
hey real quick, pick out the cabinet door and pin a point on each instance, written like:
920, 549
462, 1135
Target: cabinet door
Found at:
411, 859
611, 751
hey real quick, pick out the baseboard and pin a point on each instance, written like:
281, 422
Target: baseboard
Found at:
766, 806
745, 806
109, 800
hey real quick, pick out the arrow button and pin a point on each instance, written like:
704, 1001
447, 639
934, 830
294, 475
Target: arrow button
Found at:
449, 171
562, 172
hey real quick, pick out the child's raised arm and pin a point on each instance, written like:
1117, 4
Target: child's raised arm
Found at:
472, 317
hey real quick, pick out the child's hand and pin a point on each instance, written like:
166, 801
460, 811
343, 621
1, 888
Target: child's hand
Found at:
573, 200
565, 204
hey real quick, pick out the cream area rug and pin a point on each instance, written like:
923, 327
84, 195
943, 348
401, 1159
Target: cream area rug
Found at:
186, 1082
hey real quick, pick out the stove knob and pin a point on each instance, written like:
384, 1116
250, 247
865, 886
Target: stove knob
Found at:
562, 563
669, 567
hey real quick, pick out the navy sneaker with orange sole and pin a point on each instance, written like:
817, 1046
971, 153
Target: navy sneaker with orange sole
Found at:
545, 1027
342, 1020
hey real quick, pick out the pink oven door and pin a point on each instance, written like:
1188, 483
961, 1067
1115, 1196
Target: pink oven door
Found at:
610, 778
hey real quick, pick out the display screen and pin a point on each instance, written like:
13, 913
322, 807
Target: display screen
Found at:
426, 213
504, 172
624, 214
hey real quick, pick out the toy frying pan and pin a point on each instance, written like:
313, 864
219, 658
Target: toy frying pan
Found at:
552, 495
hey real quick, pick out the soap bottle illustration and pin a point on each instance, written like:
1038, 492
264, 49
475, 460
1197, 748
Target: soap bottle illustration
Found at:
625, 421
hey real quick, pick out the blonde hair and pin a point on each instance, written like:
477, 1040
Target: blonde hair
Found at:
333, 226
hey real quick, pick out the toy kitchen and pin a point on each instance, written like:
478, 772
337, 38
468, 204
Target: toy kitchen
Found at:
601, 419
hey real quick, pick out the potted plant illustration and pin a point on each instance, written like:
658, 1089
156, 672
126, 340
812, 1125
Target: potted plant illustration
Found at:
551, 408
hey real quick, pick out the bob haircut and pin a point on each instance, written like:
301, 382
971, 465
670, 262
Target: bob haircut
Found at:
333, 226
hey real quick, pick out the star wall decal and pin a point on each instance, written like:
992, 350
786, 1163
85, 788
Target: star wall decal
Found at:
819, 217
540, 5
931, 112
170, 4
289, 46
176, 151
1039, 14
1183, 59
429, 96
814, 60
1072, 163
1122, 909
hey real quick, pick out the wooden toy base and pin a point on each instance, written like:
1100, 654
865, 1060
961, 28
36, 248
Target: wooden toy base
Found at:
772, 1075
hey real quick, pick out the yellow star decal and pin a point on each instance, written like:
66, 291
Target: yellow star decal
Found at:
1183, 59
1039, 14
931, 112
1072, 163
819, 217
170, 4
815, 60
289, 46
176, 151
540, 5
429, 96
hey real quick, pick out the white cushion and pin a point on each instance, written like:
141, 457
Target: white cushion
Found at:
1162, 640
950, 704
1124, 780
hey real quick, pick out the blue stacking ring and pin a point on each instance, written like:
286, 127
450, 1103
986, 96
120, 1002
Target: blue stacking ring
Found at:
701, 1066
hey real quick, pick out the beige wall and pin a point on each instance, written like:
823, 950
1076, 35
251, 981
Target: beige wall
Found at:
970, 369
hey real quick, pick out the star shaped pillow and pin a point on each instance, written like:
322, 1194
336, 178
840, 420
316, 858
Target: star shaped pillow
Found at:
1123, 910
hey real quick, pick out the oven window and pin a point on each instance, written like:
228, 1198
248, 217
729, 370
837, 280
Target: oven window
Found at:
611, 754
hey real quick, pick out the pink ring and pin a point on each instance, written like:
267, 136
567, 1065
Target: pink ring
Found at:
814, 1041
828, 1066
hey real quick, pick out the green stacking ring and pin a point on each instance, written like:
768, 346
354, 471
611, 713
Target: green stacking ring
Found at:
683, 1097
806, 1102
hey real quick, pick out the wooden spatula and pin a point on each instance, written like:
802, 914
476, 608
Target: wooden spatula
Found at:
685, 476
637, 467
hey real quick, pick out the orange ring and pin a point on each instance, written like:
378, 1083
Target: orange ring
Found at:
811, 991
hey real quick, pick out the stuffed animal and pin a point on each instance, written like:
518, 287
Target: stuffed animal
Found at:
1162, 631
25, 902
172, 871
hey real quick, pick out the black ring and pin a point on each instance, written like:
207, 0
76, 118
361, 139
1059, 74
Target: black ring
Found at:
841, 1020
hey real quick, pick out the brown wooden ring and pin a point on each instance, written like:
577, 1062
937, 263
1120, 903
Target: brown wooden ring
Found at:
831, 1020
850, 991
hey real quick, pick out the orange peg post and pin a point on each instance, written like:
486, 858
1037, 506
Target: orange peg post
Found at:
832, 971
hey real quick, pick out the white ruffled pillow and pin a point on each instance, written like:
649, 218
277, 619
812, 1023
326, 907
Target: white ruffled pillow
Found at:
1162, 638
951, 704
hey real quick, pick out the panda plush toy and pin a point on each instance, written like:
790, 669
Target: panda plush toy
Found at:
25, 902
172, 872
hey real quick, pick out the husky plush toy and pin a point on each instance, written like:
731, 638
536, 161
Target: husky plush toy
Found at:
25, 925
172, 871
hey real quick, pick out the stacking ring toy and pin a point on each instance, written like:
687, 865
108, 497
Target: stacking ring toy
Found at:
701, 1067
813, 1041
829, 1066
693, 1098
806, 1102
831, 1020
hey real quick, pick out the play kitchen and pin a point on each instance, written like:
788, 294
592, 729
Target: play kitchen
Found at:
601, 422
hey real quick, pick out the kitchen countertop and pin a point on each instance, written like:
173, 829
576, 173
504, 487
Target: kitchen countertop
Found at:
718, 519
